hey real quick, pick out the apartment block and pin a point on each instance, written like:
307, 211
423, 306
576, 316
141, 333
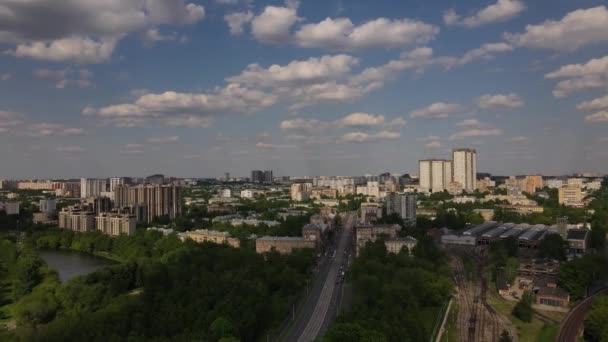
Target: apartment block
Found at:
283, 244
571, 196
465, 167
160, 200
365, 233
115, 224
395, 245
204, 235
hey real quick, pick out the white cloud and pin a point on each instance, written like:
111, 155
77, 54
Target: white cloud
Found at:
63, 78
268, 146
188, 109
361, 120
367, 137
312, 70
476, 133
396, 123
590, 75
438, 110
85, 31
274, 23
488, 101
169, 139
575, 30
599, 103
597, 117
502, 10
45, 129
76, 49
312, 126
469, 123
342, 34
153, 35
236, 21
6, 77
484, 52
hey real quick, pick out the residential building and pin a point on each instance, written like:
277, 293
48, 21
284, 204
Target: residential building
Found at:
368, 232
575, 182
160, 200
268, 178
396, 244
42, 218
371, 211
371, 189
226, 193
204, 235
487, 214
571, 196
221, 209
8, 184
402, 204
116, 223
434, 174
554, 183
157, 179
553, 296
315, 232
301, 191
593, 185
77, 219
48, 206
38, 185
485, 184
283, 244
455, 188
114, 181
533, 183
578, 240
262, 177
465, 167
92, 187
323, 193
10, 208
250, 193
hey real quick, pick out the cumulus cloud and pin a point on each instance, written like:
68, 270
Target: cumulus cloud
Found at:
576, 77
469, 123
396, 123
46, 129
269, 146
597, 117
476, 133
273, 25
5, 77
236, 21
360, 137
63, 78
438, 110
599, 103
10, 119
502, 10
169, 139
187, 109
433, 144
85, 31
312, 126
489, 101
361, 120
576, 29
342, 34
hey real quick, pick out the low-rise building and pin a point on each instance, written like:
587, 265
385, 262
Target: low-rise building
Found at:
204, 235
553, 296
396, 244
10, 208
225, 209
42, 218
578, 241
323, 193
315, 232
282, 244
371, 211
48, 206
460, 240
368, 232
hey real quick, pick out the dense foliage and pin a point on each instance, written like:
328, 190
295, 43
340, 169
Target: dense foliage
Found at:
164, 290
553, 246
596, 329
388, 288
523, 308
576, 275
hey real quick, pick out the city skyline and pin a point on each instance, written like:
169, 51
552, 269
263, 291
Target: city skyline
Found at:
197, 89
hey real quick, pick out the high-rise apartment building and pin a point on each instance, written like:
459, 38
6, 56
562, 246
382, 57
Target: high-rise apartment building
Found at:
465, 167
48, 206
301, 191
435, 174
262, 177
268, 178
533, 183
571, 196
92, 187
403, 204
77, 219
157, 179
114, 181
160, 200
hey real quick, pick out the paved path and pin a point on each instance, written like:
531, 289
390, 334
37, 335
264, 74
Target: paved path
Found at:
322, 314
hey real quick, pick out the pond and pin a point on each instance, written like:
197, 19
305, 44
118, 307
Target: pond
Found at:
70, 264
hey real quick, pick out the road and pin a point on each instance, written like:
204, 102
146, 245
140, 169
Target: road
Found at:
572, 324
325, 301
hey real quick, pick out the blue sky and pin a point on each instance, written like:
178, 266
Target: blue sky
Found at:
199, 88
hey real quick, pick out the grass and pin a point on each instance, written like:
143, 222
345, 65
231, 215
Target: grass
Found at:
535, 331
451, 325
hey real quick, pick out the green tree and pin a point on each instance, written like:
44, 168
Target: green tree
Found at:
552, 246
596, 328
26, 274
352, 332
523, 308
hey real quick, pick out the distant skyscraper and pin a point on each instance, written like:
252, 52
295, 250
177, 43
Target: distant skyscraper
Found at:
227, 176
91, 187
257, 176
403, 204
465, 167
114, 181
435, 174
268, 179
155, 179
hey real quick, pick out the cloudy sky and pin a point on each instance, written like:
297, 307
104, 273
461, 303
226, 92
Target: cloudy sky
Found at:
202, 87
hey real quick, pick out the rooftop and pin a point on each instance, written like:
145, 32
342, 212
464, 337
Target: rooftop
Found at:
577, 234
553, 291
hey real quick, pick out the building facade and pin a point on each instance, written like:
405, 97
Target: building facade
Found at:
48, 206
465, 167
160, 200
10, 208
365, 233
92, 187
402, 204
396, 245
204, 235
570, 195
283, 244
115, 224
434, 174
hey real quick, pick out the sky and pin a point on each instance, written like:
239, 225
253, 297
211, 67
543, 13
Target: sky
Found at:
198, 88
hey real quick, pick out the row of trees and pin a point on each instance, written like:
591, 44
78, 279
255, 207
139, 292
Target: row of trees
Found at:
397, 297
596, 329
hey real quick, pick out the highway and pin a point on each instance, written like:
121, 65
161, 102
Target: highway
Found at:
325, 300
572, 324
